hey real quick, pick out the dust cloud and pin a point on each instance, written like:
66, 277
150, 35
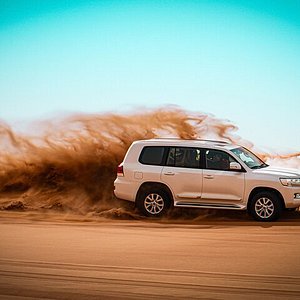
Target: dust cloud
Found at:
69, 164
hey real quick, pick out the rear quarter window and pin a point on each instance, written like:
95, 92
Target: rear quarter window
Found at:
152, 155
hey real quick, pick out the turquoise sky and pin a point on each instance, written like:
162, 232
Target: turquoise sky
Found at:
239, 60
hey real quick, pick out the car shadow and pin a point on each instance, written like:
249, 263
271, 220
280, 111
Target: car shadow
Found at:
194, 216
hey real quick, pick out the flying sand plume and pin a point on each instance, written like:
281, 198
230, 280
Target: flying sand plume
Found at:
71, 166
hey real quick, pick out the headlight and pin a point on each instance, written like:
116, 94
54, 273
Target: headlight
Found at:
290, 181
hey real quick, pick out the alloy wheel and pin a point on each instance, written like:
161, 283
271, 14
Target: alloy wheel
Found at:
264, 208
154, 203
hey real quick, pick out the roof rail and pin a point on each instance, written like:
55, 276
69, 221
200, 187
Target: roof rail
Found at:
214, 141
197, 139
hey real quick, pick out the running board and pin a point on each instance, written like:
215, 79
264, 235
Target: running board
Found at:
210, 205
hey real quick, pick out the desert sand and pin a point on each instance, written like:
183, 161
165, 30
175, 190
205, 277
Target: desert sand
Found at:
55, 256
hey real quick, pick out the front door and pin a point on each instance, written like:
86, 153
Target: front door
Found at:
220, 184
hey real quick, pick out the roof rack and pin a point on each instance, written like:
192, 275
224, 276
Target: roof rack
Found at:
197, 139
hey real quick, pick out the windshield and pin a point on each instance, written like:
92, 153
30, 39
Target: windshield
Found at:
251, 160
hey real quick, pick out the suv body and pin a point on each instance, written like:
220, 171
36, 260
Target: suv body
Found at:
157, 174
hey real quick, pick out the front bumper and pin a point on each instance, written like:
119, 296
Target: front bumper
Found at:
289, 194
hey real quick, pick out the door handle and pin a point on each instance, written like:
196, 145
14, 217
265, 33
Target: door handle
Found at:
169, 173
208, 176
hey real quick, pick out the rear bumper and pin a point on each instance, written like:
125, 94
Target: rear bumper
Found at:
124, 190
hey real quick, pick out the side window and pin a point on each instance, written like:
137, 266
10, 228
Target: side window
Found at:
184, 157
217, 160
152, 156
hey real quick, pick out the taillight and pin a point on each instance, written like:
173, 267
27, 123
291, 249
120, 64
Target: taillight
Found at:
120, 171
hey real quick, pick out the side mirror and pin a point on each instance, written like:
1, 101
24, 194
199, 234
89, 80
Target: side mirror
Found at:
235, 166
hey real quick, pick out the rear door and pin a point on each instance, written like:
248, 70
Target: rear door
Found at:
183, 173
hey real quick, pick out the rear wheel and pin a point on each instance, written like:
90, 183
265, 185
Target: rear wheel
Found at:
265, 206
153, 203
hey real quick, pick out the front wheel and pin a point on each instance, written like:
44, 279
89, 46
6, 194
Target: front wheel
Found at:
153, 203
265, 206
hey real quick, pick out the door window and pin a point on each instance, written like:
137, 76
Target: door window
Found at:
217, 160
184, 157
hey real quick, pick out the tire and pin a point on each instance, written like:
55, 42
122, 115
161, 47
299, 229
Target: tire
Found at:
153, 202
265, 207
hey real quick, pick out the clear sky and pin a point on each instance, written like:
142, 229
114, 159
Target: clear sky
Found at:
239, 60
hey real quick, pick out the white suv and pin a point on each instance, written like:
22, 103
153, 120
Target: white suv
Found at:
160, 173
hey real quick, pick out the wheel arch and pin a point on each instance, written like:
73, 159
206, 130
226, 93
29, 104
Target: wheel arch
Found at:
158, 185
265, 189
